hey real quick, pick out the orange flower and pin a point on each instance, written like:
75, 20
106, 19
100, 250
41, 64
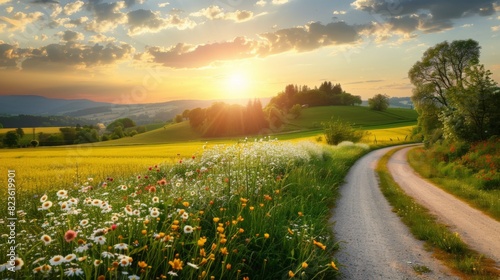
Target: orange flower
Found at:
201, 241
266, 235
319, 244
70, 235
142, 264
176, 264
224, 251
291, 274
333, 265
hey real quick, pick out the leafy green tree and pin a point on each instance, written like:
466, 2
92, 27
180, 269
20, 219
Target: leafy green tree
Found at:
124, 123
379, 102
68, 134
178, 118
436, 76
296, 110
11, 139
34, 143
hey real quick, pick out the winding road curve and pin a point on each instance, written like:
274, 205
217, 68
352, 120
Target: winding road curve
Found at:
375, 244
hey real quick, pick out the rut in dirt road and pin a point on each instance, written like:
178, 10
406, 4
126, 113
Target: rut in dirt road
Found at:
477, 230
374, 243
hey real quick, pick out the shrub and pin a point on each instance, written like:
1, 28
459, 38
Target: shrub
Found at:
337, 131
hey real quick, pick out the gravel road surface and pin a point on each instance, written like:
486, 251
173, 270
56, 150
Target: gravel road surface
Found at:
375, 244
479, 231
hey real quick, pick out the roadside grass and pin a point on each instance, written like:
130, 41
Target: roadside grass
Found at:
456, 180
250, 209
446, 245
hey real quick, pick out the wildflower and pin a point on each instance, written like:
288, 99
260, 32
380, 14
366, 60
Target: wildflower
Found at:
110, 255
156, 199
216, 220
290, 231
43, 269
82, 248
43, 198
69, 258
201, 241
56, 260
228, 266
185, 215
134, 277
46, 239
188, 229
172, 273
96, 202
113, 226
124, 261
266, 235
319, 244
73, 271
46, 205
18, 264
81, 259
176, 264
97, 263
185, 203
101, 240
291, 274
304, 265
154, 212
121, 246
62, 194
122, 187
224, 251
142, 264
84, 222
333, 265
70, 235
193, 265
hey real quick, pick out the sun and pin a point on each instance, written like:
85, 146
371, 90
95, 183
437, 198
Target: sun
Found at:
237, 81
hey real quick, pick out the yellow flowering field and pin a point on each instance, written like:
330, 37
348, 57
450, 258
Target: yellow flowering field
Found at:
250, 210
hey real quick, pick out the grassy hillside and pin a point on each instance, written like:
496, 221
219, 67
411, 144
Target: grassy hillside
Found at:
306, 126
312, 118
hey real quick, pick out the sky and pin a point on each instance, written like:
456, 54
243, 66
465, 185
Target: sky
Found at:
148, 51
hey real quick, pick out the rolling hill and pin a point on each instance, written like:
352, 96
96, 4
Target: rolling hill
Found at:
306, 125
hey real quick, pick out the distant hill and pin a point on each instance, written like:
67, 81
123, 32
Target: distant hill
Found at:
309, 121
12, 105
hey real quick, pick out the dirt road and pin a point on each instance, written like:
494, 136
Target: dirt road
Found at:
375, 244
479, 231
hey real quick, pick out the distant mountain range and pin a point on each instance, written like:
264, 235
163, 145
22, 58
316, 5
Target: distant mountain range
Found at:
101, 111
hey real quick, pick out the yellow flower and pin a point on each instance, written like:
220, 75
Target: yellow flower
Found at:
333, 265
290, 231
266, 235
228, 266
243, 200
319, 244
201, 241
216, 220
185, 203
252, 208
176, 264
220, 229
304, 265
142, 264
300, 214
224, 251
291, 274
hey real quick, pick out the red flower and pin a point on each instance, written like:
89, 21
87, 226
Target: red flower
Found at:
70, 235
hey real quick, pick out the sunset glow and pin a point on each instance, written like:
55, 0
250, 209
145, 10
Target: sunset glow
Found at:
140, 51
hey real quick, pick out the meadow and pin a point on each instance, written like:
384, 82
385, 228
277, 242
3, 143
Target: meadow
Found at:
249, 210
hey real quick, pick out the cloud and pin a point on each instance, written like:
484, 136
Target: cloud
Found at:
8, 56
163, 5
279, 2
495, 28
107, 16
430, 15
20, 20
72, 56
147, 21
100, 38
71, 36
364, 82
260, 3
9, 9
4, 1
300, 39
130, 3
467, 25
73, 7
339, 12
217, 13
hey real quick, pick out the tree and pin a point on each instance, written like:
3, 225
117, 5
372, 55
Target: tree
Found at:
337, 131
379, 102
178, 118
296, 110
1, 125
20, 132
34, 143
11, 139
436, 76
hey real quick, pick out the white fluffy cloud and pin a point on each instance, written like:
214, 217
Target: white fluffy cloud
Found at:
217, 13
73, 7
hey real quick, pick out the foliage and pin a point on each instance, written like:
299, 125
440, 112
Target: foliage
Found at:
455, 94
222, 119
256, 210
296, 110
34, 143
11, 139
326, 95
178, 118
379, 102
337, 131
123, 122
40, 121
20, 132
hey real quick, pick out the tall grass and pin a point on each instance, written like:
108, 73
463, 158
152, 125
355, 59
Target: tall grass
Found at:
245, 211
447, 246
